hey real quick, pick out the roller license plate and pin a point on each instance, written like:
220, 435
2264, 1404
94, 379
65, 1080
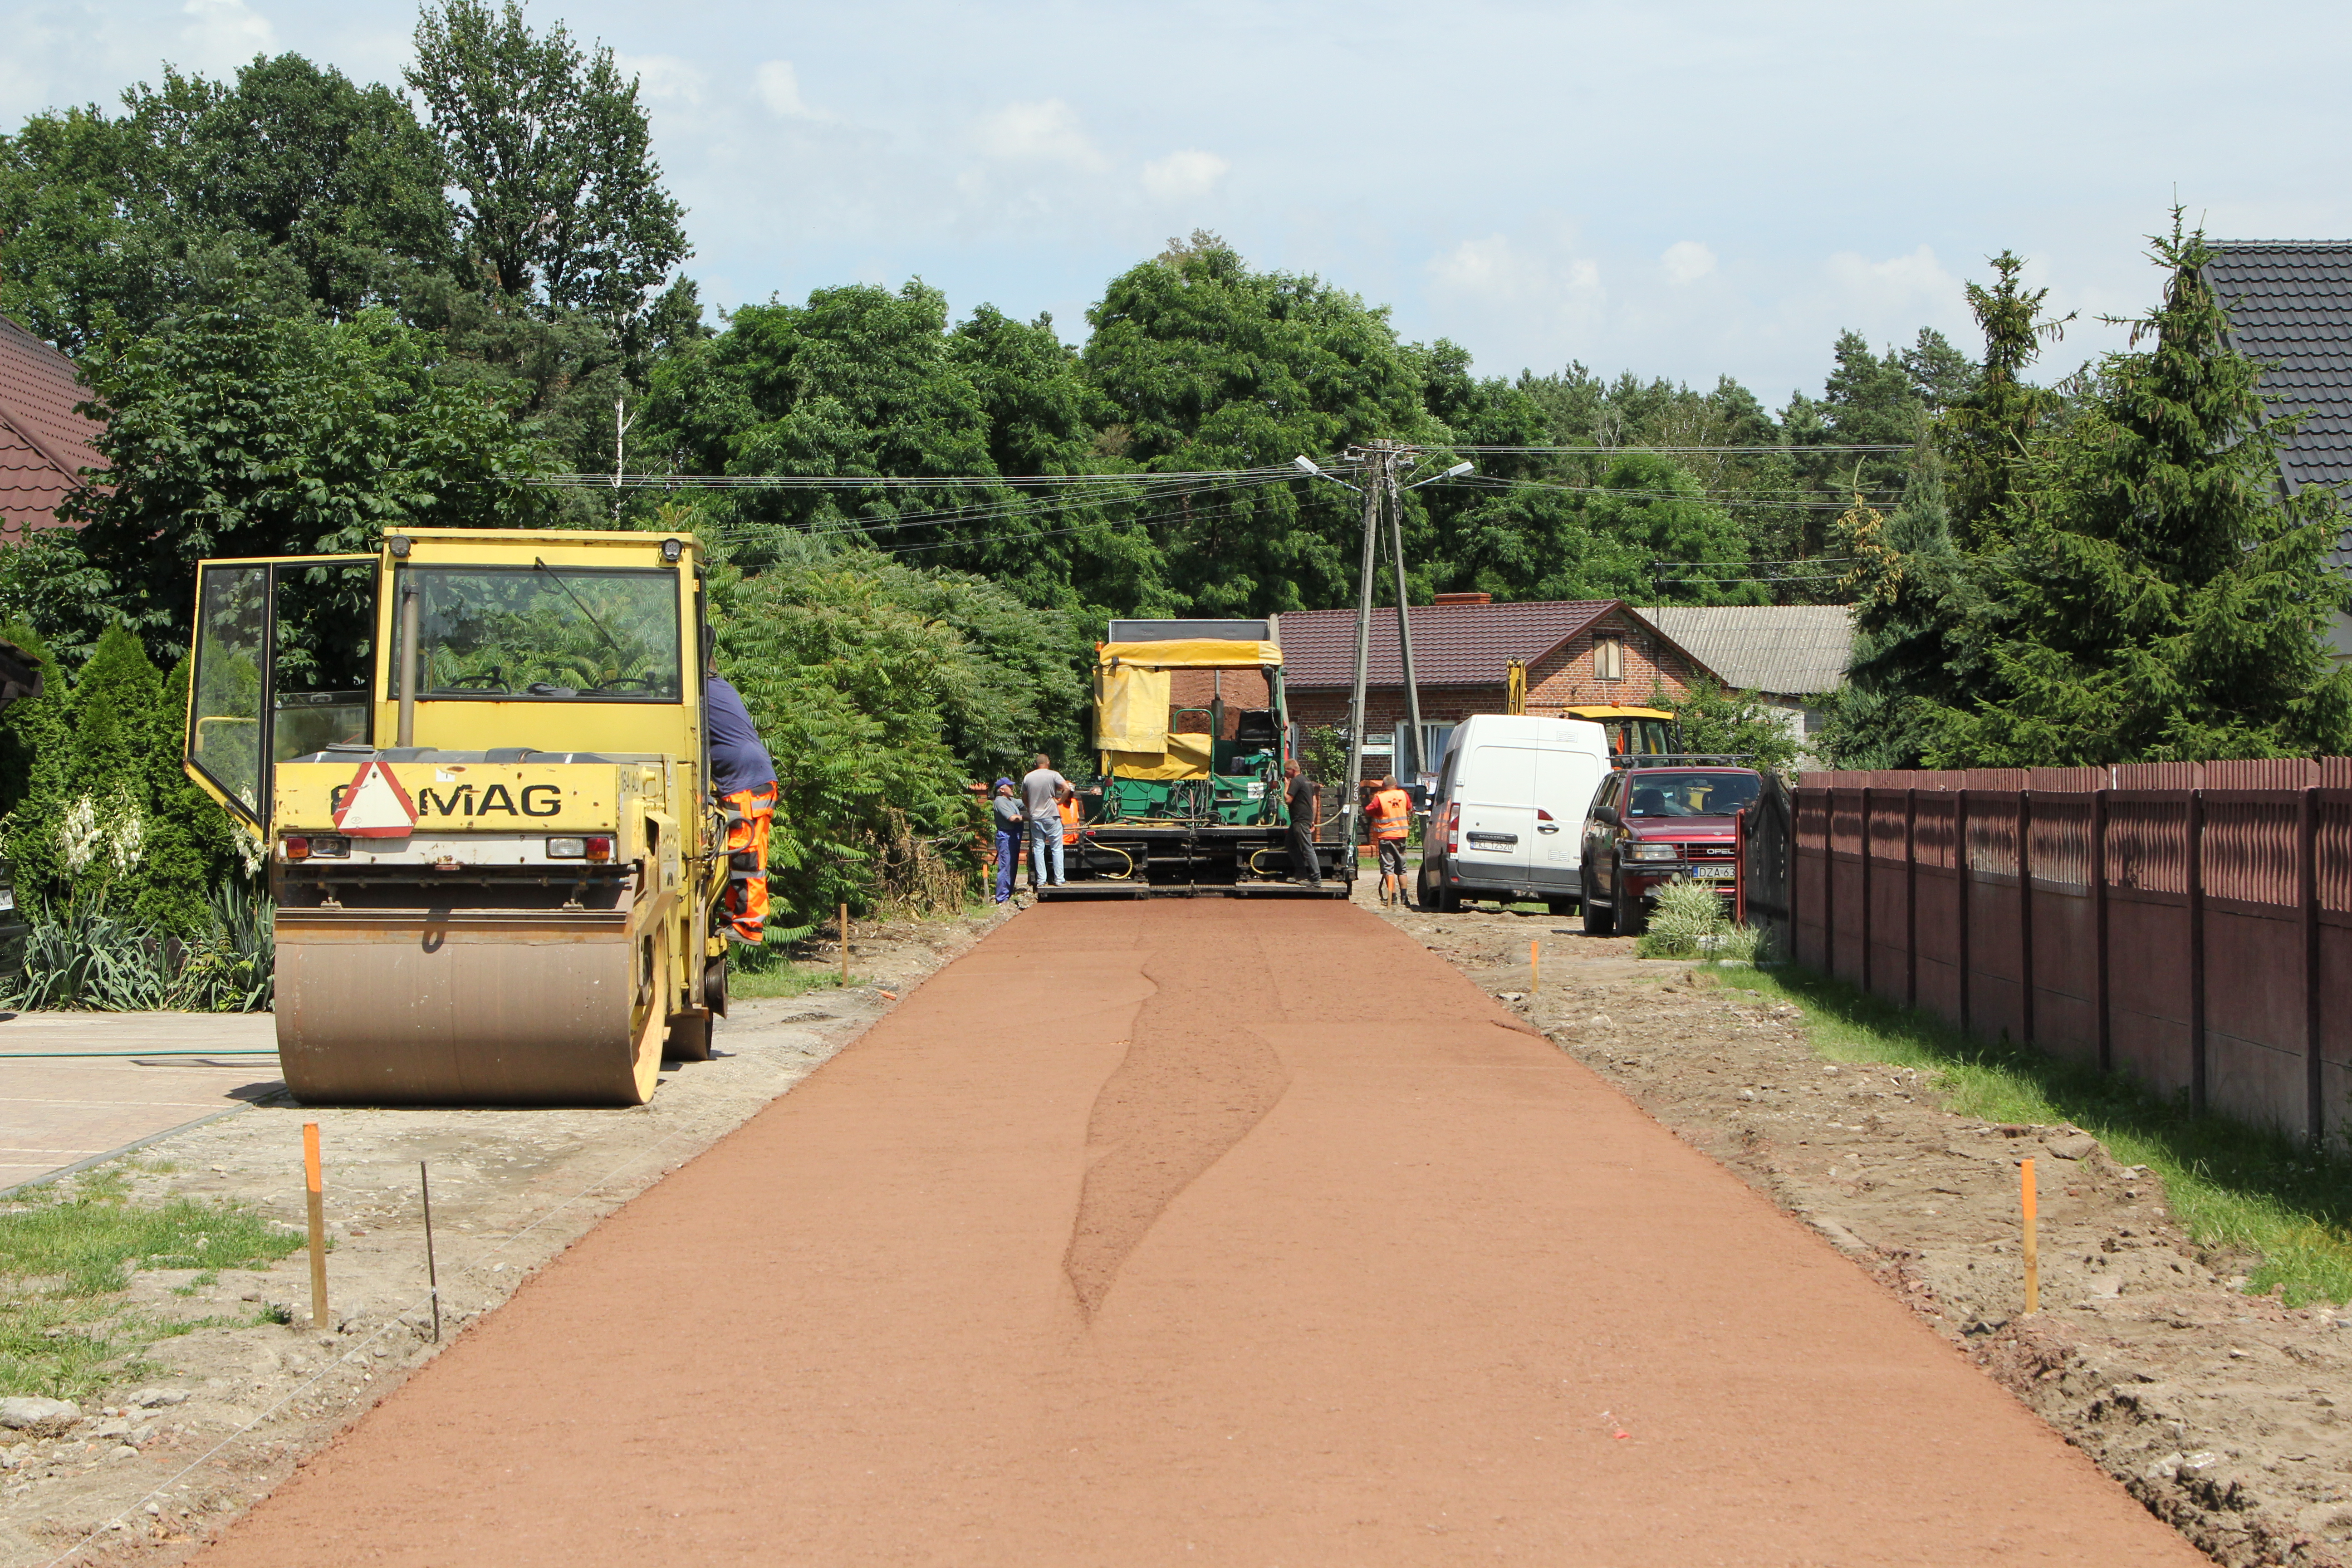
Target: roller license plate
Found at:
1715, 873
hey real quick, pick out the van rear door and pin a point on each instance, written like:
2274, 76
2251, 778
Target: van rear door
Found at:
1498, 794
1566, 780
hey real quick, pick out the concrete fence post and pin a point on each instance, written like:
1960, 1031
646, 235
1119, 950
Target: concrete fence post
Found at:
2099, 1004
1911, 897
1866, 911
1960, 869
2195, 851
2307, 874
2025, 915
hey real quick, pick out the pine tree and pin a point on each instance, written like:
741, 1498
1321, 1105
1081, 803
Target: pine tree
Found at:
1987, 431
2158, 598
106, 813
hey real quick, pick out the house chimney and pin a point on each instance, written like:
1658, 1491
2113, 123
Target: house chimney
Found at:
1463, 599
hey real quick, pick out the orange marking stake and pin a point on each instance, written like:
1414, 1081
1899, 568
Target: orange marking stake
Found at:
2032, 1246
318, 1224
1535, 967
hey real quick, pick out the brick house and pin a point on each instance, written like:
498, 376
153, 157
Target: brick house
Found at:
1577, 653
44, 444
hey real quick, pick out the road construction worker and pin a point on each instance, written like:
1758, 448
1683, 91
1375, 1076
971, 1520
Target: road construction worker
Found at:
1070, 817
743, 777
1302, 795
1005, 811
1041, 796
1391, 816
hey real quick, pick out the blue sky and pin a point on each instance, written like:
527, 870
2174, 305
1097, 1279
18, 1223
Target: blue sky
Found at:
1679, 190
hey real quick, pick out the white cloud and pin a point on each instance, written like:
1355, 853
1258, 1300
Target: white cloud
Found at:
223, 33
1184, 177
1046, 131
780, 89
1498, 270
1899, 283
664, 78
1686, 262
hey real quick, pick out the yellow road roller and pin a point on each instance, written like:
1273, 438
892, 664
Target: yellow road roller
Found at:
477, 764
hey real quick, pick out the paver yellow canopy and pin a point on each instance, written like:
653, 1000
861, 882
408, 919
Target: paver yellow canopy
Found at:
477, 764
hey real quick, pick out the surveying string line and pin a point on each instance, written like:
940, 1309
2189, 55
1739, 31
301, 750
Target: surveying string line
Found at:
396, 1317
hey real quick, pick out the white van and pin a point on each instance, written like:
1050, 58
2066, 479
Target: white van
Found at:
1506, 819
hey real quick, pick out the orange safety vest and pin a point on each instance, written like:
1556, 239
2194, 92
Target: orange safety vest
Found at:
1391, 808
1069, 822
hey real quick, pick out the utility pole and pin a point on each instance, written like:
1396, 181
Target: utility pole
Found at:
1378, 460
1404, 626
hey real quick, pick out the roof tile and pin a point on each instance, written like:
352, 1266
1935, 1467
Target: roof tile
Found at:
1453, 645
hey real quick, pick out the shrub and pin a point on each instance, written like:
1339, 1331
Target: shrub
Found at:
1690, 921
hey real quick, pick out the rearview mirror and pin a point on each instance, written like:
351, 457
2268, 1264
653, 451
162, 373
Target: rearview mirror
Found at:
1607, 814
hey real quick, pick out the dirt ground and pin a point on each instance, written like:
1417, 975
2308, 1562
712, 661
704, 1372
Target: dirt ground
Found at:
2223, 1414
1200, 1231
217, 1416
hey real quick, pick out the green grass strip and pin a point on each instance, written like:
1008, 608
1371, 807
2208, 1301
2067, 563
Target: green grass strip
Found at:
2229, 1186
66, 1258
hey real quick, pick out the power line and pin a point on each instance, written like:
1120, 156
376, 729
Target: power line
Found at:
1636, 447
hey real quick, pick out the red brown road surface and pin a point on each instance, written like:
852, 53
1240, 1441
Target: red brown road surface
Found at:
1200, 1233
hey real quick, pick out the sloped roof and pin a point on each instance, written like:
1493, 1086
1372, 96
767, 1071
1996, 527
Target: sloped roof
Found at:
1795, 650
1453, 645
2290, 301
44, 444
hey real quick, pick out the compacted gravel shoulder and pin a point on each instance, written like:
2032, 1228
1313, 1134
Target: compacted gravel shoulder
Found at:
2223, 1414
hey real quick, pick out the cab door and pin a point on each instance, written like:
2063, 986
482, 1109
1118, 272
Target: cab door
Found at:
1599, 873
281, 657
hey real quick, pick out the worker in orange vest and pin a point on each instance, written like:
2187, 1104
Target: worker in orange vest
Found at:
1069, 810
1391, 812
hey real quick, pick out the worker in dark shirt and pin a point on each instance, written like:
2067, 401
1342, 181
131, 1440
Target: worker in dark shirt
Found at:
1301, 793
743, 778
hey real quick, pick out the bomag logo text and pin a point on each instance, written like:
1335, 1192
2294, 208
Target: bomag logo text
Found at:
464, 800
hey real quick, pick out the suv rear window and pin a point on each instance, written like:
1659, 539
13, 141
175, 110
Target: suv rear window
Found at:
1691, 795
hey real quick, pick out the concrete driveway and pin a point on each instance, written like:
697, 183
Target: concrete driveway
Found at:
76, 1086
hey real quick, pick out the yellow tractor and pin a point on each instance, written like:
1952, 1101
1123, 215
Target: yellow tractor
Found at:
484, 807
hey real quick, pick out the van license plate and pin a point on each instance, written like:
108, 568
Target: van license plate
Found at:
1715, 873
1492, 840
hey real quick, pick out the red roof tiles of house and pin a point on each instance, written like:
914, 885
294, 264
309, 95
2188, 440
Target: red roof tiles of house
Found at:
44, 444
1453, 645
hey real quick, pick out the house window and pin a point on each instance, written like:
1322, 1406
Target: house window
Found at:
1608, 658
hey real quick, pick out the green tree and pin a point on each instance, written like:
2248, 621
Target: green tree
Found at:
245, 435
1207, 365
561, 201
1717, 723
1989, 430
880, 691
2160, 599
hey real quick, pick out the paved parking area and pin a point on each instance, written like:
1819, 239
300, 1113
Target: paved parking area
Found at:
74, 1086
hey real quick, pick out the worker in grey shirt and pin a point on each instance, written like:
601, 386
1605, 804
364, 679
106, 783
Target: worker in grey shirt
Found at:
1041, 796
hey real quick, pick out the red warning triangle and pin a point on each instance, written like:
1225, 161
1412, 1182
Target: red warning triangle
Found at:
375, 807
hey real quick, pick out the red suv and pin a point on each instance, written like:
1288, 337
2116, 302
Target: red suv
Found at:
1650, 825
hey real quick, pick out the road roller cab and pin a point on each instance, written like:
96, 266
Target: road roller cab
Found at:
475, 764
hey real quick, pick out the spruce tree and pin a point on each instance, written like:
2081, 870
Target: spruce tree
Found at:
2157, 597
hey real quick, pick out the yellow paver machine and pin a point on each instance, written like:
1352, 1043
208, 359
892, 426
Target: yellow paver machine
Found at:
1189, 800
477, 763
